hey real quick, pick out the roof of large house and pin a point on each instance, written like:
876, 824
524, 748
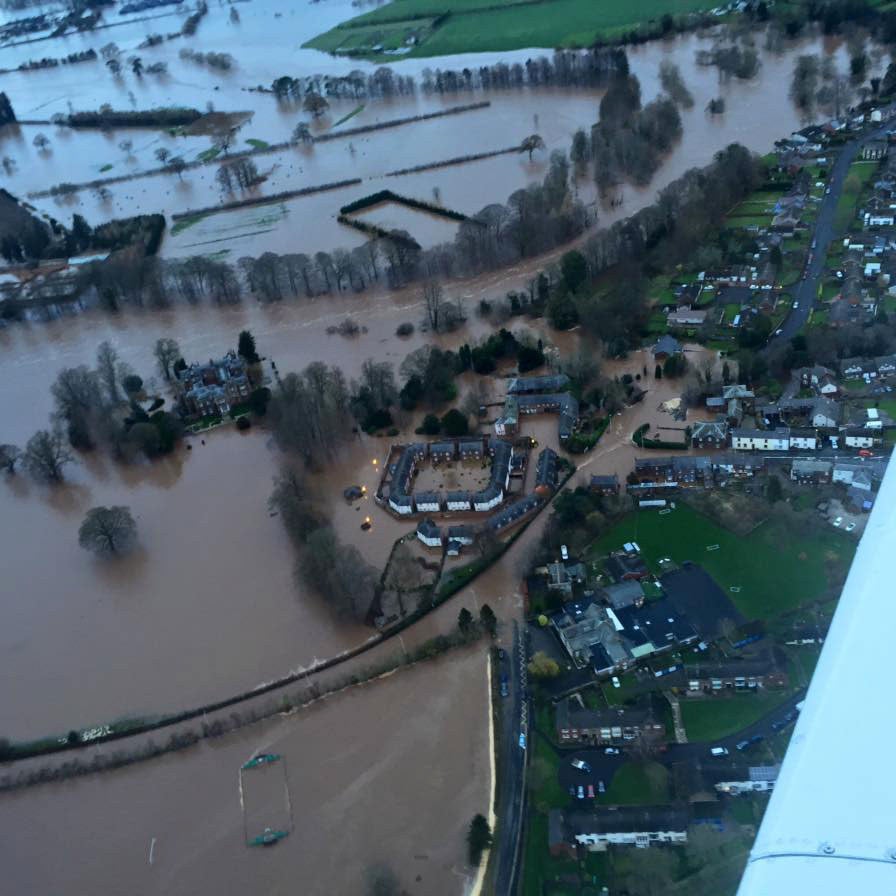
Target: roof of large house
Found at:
667, 345
429, 529
513, 512
737, 391
624, 819
546, 468
601, 480
708, 429
810, 465
571, 715
826, 406
620, 565
694, 593
441, 448
782, 432
547, 383
658, 621
623, 594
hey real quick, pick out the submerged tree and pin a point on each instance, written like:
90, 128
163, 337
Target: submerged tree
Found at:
46, 454
108, 530
167, 351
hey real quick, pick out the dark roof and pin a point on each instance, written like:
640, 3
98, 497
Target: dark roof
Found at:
620, 565
660, 621
695, 594
513, 512
461, 531
546, 468
625, 819
571, 715
548, 383
427, 498
605, 481
668, 345
458, 496
429, 529
623, 594
442, 448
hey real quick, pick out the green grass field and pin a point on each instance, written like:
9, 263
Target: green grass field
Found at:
638, 784
775, 570
710, 718
491, 25
859, 175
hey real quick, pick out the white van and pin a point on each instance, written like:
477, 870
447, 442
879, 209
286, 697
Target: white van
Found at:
719, 751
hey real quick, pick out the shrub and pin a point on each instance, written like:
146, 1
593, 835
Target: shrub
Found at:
243, 424
455, 423
431, 425
404, 329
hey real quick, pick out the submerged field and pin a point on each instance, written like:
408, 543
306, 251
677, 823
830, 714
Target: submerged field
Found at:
440, 27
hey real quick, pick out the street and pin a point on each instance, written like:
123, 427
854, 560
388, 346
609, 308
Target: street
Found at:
806, 290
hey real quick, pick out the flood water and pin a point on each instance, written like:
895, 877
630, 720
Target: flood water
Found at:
390, 773
208, 606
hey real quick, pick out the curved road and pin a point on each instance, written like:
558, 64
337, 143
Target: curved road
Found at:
806, 290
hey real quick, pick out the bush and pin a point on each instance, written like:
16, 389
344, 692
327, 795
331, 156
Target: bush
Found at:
529, 358
378, 419
454, 423
258, 400
431, 425
404, 329
243, 424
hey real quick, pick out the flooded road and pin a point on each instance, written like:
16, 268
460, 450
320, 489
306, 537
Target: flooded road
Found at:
390, 773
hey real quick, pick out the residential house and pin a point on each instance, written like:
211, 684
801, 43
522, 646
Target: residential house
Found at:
804, 439
874, 150
734, 674
429, 533
860, 437
812, 472
761, 440
622, 565
759, 779
427, 502
598, 828
590, 636
514, 513
405, 469
654, 627
508, 423
211, 390
458, 501
709, 435
686, 317
861, 480
465, 535
859, 500
441, 452
741, 393
575, 724
737, 466
627, 593
845, 473
546, 472
526, 385
562, 575
605, 485
470, 449
665, 347
825, 413
819, 378
873, 420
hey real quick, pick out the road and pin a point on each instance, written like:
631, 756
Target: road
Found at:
511, 771
806, 290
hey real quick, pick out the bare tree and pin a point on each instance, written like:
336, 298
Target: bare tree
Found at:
302, 133
46, 454
41, 141
315, 104
433, 303
107, 369
108, 530
167, 351
163, 154
9, 457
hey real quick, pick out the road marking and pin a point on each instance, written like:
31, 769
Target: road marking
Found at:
152, 847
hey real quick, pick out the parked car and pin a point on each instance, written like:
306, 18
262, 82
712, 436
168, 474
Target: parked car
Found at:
590, 791
612, 751
615, 681
564, 552
866, 453
743, 744
796, 305
504, 689
502, 653
581, 792
755, 739
581, 765
849, 527
837, 522
719, 751
572, 789
600, 787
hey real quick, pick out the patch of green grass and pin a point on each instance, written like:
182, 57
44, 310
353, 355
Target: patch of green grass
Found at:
711, 718
107, 167
475, 26
774, 568
183, 224
258, 144
860, 173
638, 784
351, 114
208, 154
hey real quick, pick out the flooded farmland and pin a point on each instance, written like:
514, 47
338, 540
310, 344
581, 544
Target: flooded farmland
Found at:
208, 605
409, 751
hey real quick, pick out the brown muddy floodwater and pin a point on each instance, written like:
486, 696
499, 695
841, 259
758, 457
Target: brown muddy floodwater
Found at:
387, 773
